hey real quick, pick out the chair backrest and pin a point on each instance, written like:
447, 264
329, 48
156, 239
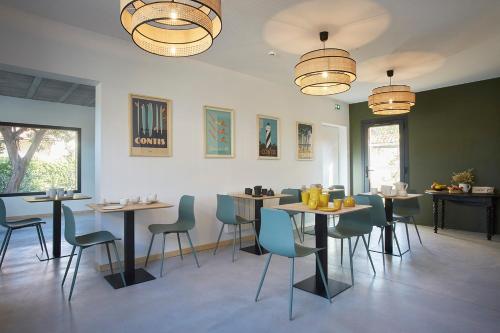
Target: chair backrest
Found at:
339, 187
377, 212
295, 196
69, 225
3, 214
359, 221
408, 207
337, 194
276, 233
226, 210
186, 211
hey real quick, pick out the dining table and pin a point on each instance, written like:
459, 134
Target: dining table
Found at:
258, 204
314, 283
132, 275
56, 218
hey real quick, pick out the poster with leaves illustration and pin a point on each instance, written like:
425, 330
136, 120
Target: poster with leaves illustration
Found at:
268, 137
150, 126
304, 141
219, 132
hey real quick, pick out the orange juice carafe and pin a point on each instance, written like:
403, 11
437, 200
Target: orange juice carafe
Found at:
323, 200
313, 204
337, 204
305, 197
315, 193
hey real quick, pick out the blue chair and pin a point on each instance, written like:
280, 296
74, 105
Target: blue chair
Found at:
226, 213
184, 223
294, 198
83, 242
276, 236
19, 224
405, 211
337, 194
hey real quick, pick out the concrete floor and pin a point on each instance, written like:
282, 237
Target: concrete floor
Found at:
451, 284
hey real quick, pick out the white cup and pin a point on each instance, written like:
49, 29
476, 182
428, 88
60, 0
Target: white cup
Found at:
60, 192
373, 190
393, 192
51, 193
135, 199
123, 201
386, 189
151, 197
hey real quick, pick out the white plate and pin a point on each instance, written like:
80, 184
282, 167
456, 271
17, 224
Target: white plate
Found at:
112, 207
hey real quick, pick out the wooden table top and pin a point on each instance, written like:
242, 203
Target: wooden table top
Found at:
397, 197
301, 208
129, 207
77, 196
433, 192
264, 197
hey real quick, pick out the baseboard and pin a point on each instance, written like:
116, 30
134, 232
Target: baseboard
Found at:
48, 215
176, 253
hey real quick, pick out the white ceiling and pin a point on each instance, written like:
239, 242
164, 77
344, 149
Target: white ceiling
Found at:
429, 43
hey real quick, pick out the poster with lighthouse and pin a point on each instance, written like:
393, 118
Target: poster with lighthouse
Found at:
268, 137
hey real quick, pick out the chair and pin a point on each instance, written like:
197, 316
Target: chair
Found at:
83, 242
19, 224
405, 211
337, 194
226, 213
276, 236
184, 223
294, 198
356, 224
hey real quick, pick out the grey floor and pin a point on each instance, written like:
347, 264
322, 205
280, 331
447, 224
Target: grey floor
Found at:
451, 284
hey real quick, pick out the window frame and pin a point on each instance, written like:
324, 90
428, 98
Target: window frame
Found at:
78, 131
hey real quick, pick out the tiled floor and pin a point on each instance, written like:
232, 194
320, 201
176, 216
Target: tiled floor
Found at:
451, 284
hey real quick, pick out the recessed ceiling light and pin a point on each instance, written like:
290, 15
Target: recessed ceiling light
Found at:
271, 53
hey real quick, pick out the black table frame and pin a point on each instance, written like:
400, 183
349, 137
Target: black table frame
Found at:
56, 232
254, 249
487, 201
132, 275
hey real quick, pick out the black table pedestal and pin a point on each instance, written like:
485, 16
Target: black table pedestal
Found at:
254, 249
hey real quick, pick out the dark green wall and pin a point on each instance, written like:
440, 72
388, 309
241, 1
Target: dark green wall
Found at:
450, 129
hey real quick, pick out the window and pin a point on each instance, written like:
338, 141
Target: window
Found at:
34, 158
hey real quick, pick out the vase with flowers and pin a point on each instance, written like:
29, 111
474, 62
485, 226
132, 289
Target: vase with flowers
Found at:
463, 179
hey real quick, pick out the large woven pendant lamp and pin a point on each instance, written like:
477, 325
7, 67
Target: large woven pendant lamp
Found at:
391, 99
172, 28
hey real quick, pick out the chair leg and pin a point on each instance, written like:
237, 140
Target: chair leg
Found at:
6, 241
39, 237
369, 239
290, 301
149, 250
69, 264
407, 236
397, 243
263, 276
256, 238
323, 278
341, 251
109, 259
119, 264
75, 272
180, 248
234, 241
193, 249
44, 242
350, 260
303, 223
368, 252
416, 229
239, 230
355, 245
162, 254
383, 247
296, 228
218, 239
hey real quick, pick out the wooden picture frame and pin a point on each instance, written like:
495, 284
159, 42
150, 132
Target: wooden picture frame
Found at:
268, 137
150, 126
217, 122
304, 136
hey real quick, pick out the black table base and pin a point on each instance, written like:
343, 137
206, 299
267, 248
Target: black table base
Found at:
253, 249
388, 229
139, 275
310, 285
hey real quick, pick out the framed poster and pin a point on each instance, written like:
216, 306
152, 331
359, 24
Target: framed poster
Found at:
305, 140
218, 132
268, 137
150, 126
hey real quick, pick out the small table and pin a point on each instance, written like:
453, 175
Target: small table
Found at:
314, 283
56, 219
259, 203
132, 275
487, 201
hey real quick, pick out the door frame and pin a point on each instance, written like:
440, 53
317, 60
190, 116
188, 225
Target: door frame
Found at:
402, 121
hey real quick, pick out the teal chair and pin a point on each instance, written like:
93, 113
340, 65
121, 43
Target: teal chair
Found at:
356, 224
19, 224
294, 198
86, 241
404, 212
226, 213
184, 223
337, 194
276, 236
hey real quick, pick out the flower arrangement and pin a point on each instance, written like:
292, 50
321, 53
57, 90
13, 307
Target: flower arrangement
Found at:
463, 177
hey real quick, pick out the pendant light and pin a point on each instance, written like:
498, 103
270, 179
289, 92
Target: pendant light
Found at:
170, 28
391, 99
326, 71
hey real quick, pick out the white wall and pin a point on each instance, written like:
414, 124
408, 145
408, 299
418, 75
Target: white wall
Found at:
120, 68
47, 113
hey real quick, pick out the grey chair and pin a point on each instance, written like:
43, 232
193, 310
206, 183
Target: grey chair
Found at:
294, 198
226, 213
83, 242
404, 211
16, 225
337, 194
184, 223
